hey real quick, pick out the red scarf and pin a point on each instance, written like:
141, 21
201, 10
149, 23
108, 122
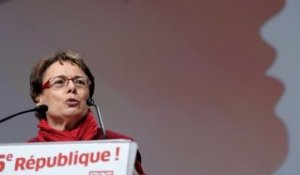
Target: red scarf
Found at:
86, 130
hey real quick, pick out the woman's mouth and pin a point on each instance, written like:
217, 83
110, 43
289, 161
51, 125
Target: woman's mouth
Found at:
72, 102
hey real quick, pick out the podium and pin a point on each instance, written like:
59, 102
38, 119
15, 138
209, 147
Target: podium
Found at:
101, 157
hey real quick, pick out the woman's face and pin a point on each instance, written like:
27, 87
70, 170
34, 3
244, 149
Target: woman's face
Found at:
67, 104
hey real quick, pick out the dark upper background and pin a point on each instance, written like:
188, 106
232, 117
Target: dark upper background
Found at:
186, 78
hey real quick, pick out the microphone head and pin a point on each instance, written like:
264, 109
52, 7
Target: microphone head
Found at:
41, 109
90, 102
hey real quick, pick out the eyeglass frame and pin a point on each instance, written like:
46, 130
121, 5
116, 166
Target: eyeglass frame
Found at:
47, 84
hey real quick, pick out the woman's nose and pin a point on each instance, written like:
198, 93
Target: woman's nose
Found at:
71, 86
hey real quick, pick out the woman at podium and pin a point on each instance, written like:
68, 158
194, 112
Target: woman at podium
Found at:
65, 84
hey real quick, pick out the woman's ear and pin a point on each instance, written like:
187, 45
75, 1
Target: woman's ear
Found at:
38, 100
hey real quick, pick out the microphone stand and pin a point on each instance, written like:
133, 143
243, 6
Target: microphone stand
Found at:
40, 108
91, 102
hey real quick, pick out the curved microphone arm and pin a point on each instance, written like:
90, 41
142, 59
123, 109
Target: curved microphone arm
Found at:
39, 109
91, 102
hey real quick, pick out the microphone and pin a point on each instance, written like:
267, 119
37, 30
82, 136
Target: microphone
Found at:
91, 102
41, 109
